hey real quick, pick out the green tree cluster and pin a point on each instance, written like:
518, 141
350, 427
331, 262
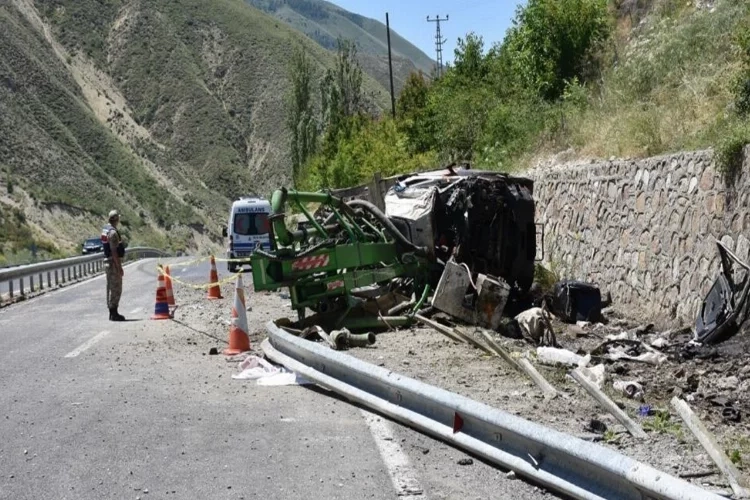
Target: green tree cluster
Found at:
488, 107
566, 75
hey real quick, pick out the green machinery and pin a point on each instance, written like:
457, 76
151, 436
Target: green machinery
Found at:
341, 262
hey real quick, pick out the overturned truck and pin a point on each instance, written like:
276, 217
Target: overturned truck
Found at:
369, 252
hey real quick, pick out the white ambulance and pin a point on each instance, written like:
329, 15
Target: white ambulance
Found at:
248, 226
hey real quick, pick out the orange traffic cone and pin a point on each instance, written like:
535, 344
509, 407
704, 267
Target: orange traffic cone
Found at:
161, 308
170, 292
239, 342
215, 291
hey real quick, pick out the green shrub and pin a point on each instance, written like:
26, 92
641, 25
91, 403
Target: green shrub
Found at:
729, 155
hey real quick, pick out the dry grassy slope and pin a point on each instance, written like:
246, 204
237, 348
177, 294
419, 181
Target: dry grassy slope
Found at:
166, 109
325, 22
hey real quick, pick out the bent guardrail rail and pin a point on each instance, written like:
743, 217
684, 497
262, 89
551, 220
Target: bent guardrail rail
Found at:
561, 462
60, 271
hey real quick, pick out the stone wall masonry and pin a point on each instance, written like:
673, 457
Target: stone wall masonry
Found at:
644, 230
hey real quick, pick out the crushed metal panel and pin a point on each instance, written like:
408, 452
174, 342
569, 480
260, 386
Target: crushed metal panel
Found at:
725, 307
451, 292
492, 295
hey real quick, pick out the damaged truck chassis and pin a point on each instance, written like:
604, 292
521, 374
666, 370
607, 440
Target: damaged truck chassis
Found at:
353, 264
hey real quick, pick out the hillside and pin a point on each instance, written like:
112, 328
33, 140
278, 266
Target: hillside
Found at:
572, 80
165, 109
325, 22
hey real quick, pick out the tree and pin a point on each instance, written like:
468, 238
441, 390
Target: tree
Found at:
552, 42
468, 60
301, 121
414, 114
342, 99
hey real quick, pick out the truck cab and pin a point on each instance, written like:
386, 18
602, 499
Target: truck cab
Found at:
247, 229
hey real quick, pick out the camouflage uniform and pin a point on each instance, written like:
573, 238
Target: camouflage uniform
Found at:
113, 248
114, 278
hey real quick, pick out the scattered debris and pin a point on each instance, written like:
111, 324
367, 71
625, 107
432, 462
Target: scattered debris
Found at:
596, 426
466, 461
608, 404
736, 481
554, 356
535, 324
576, 301
725, 307
213, 351
631, 389
597, 374
256, 368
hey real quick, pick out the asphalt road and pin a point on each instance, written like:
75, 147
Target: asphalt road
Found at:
91, 409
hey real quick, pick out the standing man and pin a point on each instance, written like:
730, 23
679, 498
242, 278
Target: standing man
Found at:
114, 251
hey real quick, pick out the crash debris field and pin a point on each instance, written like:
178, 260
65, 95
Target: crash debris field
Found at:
440, 276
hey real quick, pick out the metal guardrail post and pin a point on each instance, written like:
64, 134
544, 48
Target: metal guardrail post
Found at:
65, 270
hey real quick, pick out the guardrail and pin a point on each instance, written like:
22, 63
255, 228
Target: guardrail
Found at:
31, 277
564, 463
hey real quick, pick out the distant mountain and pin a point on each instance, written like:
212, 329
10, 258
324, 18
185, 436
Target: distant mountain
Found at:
163, 109
325, 22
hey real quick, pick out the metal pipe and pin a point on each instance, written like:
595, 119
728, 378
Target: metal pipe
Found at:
425, 293
393, 230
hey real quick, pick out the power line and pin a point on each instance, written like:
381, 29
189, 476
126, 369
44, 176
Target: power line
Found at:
439, 41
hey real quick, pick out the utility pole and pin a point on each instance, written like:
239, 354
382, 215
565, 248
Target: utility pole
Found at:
390, 65
439, 41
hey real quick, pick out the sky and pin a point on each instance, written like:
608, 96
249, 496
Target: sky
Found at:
488, 18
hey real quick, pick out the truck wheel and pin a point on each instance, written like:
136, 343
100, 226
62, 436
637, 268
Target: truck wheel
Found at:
232, 268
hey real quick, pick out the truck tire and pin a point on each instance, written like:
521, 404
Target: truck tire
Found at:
232, 268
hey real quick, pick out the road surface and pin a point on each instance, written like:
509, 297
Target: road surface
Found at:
91, 409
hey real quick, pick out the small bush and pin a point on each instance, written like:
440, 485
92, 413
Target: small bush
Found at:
545, 277
729, 153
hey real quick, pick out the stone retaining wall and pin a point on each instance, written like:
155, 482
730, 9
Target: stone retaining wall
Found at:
644, 230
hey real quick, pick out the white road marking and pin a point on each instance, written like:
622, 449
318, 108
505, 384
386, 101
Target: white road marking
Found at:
93, 340
396, 461
136, 310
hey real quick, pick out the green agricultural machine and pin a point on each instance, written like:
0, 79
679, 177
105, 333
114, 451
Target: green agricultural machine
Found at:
340, 265
354, 265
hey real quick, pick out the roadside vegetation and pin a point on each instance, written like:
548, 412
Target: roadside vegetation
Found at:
591, 78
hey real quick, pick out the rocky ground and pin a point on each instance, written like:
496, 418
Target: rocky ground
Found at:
715, 381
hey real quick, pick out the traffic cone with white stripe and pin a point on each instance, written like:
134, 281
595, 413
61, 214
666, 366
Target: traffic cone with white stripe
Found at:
239, 341
161, 308
170, 292
215, 291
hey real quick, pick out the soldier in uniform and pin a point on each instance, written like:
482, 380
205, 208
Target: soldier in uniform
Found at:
114, 252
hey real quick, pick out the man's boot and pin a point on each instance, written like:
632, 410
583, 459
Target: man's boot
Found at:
115, 316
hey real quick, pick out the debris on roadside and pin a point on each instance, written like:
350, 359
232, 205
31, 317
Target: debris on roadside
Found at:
555, 356
724, 309
452, 253
577, 301
630, 389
